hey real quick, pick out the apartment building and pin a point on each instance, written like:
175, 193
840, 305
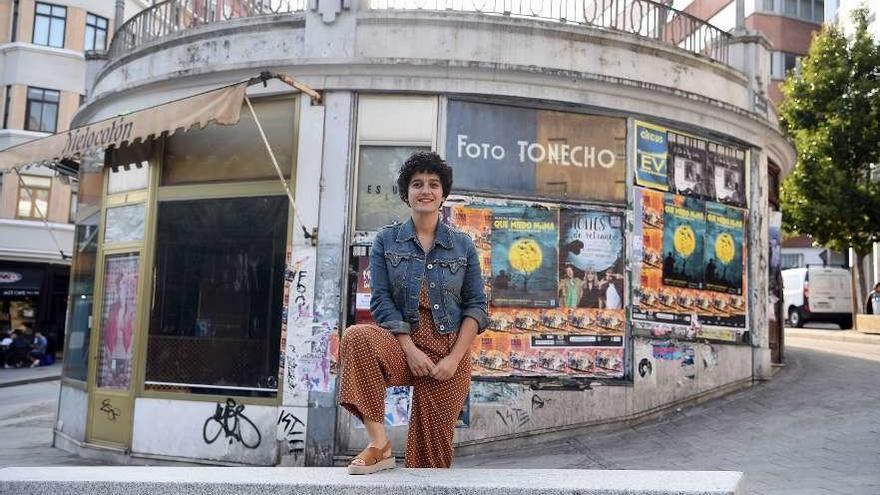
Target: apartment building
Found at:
43, 51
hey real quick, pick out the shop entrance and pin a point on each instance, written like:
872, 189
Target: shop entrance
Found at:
112, 399
119, 311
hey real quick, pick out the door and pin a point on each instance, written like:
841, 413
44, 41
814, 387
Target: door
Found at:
119, 312
111, 408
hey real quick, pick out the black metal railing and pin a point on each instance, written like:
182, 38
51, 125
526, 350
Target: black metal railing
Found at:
172, 16
644, 18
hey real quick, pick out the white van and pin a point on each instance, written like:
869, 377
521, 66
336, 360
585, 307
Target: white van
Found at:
818, 293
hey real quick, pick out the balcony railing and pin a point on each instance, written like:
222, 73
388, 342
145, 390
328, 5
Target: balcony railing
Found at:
172, 16
644, 18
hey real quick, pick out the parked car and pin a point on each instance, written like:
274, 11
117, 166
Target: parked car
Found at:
818, 293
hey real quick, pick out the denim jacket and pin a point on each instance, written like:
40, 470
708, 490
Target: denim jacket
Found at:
451, 268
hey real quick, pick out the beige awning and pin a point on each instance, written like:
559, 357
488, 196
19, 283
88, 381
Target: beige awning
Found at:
220, 106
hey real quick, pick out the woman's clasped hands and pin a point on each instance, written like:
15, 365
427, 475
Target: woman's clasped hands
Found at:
421, 365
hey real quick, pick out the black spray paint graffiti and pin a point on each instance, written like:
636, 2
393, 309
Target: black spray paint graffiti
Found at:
231, 421
514, 417
112, 412
297, 277
294, 429
539, 402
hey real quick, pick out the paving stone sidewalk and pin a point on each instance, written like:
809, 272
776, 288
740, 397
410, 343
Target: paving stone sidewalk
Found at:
813, 429
10, 377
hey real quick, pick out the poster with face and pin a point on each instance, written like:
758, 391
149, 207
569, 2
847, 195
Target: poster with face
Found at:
684, 226
117, 320
524, 256
729, 174
591, 259
723, 249
691, 174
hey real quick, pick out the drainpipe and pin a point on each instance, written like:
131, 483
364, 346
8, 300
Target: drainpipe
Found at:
120, 14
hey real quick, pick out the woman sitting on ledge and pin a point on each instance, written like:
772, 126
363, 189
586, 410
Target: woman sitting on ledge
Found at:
429, 304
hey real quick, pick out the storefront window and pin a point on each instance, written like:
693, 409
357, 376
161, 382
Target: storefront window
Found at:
91, 175
378, 201
216, 317
82, 287
125, 224
118, 315
234, 153
128, 179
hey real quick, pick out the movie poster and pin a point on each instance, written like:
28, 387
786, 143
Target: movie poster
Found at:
678, 310
524, 256
684, 226
723, 249
691, 171
591, 259
729, 173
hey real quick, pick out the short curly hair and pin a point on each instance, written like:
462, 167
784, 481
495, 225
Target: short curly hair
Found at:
423, 162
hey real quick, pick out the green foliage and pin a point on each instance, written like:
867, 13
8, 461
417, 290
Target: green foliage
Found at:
832, 112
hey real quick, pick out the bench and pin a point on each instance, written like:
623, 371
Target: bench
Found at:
335, 481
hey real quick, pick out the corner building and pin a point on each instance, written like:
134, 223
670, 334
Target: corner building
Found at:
611, 166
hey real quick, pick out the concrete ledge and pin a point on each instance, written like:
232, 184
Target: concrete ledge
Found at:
335, 481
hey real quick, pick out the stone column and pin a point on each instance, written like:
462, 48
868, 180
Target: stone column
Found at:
119, 17
750, 54
758, 265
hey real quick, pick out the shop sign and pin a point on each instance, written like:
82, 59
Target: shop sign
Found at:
9, 277
22, 282
504, 149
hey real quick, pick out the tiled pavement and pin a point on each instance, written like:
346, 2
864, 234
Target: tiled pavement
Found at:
813, 429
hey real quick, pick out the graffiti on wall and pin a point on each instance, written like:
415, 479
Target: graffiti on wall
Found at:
112, 413
291, 431
311, 347
229, 420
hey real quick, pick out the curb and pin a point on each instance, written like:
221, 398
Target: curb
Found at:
843, 337
26, 381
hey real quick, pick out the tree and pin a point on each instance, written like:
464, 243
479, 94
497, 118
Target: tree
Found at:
832, 112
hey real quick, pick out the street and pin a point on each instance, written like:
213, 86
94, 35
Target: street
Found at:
813, 429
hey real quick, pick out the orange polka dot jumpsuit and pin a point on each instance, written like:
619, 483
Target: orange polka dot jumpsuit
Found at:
372, 360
